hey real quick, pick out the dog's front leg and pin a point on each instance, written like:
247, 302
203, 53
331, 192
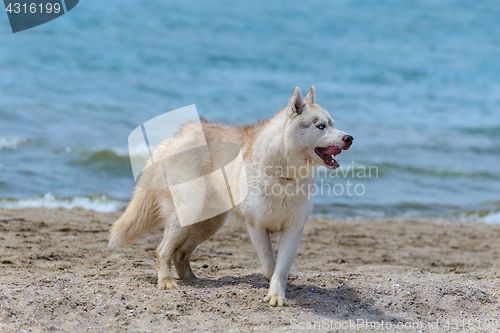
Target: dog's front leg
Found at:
262, 244
289, 244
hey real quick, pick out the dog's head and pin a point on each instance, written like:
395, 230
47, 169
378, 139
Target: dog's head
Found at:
311, 132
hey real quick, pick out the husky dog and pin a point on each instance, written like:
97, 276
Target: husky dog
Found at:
302, 136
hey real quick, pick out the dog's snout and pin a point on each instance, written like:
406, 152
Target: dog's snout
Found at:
347, 139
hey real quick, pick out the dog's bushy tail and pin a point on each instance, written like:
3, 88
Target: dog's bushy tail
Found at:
141, 216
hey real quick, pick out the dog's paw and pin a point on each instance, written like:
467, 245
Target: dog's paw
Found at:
276, 300
201, 278
167, 283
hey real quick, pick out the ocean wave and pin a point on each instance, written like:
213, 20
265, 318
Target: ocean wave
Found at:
488, 212
371, 211
112, 161
97, 202
385, 167
127, 152
11, 142
107, 154
492, 218
119, 152
486, 216
104, 203
488, 132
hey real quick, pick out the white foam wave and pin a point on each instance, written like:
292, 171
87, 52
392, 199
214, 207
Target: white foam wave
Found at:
11, 142
492, 218
99, 203
120, 151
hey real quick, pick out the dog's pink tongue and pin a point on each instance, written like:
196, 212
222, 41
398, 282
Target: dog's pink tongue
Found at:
332, 150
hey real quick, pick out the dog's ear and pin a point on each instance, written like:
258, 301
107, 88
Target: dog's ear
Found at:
296, 102
310, 98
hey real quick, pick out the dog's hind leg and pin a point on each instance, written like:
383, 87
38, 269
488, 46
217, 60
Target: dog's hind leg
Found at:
182, 257
165, 253
192, 236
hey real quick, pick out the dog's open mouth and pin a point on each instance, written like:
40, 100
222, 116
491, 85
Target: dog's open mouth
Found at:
328, 153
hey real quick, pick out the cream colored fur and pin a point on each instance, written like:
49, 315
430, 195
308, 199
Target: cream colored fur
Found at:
285, 142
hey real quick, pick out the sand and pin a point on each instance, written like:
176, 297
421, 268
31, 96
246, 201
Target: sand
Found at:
349, 275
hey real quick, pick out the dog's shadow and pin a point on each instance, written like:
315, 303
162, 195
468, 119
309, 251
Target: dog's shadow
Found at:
342, 302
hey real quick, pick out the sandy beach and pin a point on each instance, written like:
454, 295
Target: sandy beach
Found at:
349, 275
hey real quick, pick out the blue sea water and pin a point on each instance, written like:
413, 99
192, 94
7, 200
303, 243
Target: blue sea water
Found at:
417, 83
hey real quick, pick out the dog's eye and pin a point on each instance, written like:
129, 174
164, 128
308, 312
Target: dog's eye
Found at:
321, 127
